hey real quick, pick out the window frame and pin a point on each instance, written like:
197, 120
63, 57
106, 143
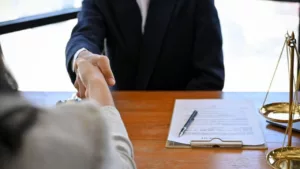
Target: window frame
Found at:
38, 20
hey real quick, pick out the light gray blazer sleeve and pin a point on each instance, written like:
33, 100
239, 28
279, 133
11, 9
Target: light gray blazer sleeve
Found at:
120, 139
119, 150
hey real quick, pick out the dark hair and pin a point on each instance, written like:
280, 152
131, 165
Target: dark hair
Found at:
14, 123
8, 83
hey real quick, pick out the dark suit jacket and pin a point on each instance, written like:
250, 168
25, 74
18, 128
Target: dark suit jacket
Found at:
180, 49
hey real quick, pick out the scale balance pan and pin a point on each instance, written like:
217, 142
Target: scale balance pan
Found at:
279, 112
284, 158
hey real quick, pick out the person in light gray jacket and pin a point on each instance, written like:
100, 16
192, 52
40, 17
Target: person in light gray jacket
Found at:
85, 135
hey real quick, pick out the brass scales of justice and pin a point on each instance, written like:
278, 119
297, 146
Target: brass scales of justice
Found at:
286, 157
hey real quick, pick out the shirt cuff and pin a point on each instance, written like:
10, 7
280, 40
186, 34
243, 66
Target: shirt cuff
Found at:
75, 57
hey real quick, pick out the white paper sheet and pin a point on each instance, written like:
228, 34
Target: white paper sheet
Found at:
229, 120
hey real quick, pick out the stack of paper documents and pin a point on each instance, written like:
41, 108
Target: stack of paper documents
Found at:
228, 121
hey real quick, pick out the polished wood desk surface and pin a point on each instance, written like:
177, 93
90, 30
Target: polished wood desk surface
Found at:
147, 116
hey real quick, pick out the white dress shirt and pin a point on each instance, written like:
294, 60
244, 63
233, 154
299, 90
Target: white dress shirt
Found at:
143, 5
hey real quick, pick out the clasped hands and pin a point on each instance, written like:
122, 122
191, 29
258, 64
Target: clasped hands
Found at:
92, 70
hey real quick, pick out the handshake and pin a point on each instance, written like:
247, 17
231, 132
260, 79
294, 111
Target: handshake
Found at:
93, 76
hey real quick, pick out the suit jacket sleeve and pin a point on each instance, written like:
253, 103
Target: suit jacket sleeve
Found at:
89, 33
207, 55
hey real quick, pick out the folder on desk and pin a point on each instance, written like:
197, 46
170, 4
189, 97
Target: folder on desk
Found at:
219, 124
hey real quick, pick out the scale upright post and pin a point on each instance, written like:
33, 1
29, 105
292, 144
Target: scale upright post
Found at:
291, 43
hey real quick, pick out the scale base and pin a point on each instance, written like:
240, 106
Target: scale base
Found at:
284, 158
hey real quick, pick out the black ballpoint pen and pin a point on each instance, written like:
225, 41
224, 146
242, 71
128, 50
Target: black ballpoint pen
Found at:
188, 123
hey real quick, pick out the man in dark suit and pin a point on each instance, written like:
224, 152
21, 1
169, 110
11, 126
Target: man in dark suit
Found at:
151, 44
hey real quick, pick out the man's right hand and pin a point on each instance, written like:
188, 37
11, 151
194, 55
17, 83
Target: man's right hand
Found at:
101, 62
94, 82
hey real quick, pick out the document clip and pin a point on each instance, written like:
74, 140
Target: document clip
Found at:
216, 143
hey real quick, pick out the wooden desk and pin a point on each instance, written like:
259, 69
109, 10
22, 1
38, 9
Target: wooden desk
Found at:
147, 117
